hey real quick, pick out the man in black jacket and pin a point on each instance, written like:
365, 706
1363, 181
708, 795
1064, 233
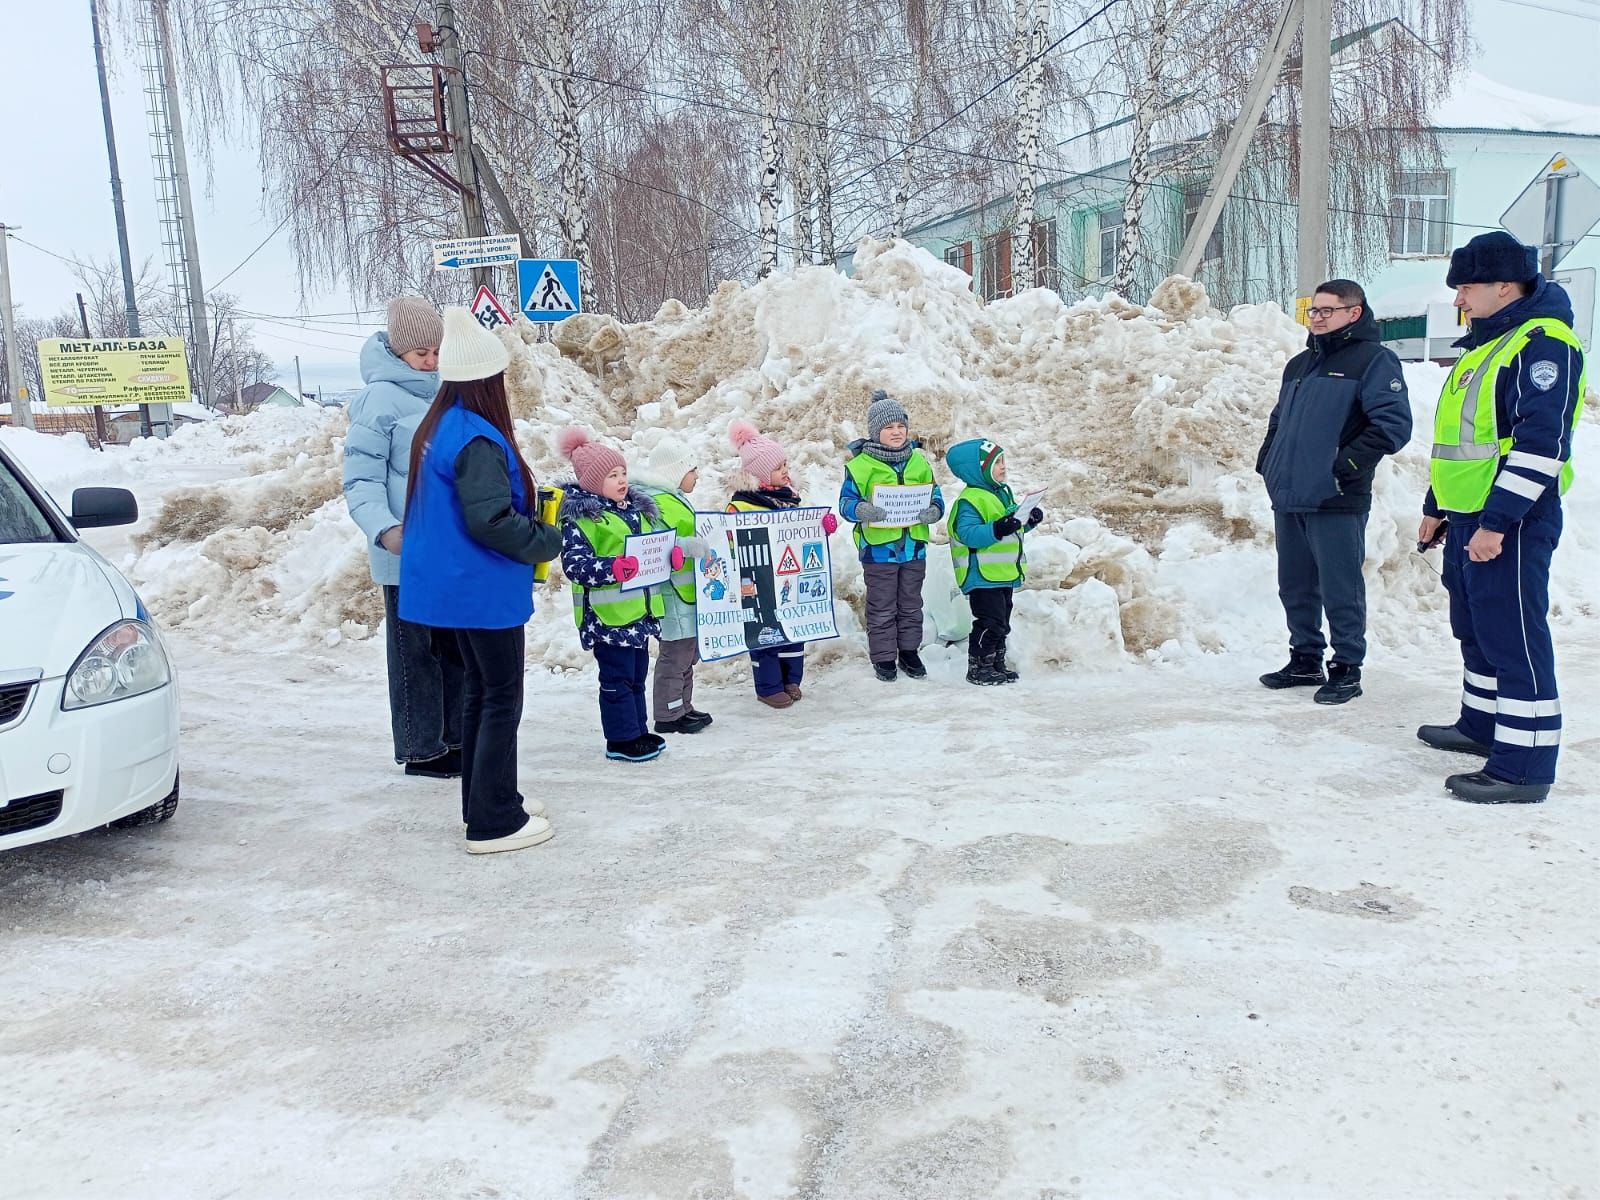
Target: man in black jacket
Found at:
1342, 407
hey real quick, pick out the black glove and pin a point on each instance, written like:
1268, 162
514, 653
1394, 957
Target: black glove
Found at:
1006, 526
1034, 517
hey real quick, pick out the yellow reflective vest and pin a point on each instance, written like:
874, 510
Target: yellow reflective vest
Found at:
1468, 444
868, 473
1003, 562
608, 537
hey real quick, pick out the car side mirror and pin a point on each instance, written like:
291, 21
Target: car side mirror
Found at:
98, 507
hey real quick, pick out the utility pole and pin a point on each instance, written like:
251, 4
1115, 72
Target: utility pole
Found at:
200, 326
21, 407
455, 95
299, 384
1316, 101
129, 300
99, 413
238, 375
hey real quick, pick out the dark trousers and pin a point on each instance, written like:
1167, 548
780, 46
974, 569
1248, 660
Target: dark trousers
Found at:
991, 624
778, 667
894, 607
1499, 612
674, 682
491, 710
623, 671
1319, 570
424, 685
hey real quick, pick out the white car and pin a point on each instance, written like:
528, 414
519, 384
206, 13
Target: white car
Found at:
88, 694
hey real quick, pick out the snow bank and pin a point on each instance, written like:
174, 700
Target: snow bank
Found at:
1143, 423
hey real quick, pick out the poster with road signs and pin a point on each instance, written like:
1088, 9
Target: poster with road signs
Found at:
766, 580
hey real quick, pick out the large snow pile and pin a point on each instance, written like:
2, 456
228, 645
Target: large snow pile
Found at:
1143, 422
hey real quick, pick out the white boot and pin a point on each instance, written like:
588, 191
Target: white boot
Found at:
534, 808
535, 831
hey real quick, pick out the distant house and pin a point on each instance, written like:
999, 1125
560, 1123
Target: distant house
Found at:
268, 395
122, 427
1494, 140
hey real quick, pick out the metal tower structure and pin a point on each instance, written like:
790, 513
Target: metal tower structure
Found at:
175, 207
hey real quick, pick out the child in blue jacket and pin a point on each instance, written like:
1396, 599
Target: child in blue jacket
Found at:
986, 546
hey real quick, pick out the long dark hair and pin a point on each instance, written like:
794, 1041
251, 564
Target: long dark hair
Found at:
487, 399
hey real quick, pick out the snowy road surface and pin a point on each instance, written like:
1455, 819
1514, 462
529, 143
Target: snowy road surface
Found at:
1149, 932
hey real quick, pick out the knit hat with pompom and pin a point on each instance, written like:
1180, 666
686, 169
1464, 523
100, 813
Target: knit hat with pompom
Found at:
591, 461
760, 456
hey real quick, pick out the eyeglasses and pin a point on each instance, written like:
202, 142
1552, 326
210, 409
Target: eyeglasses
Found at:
1317, 314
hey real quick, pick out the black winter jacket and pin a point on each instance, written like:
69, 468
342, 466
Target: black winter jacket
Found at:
1341, 407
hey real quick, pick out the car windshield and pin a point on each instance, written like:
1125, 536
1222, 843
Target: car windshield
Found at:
21, 518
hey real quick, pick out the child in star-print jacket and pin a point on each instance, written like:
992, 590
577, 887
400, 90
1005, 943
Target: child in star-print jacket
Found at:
599, 513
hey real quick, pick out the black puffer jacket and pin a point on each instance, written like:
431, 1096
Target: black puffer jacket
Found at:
1341, 407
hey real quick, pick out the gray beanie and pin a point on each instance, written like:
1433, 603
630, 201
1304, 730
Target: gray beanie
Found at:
413, 325
884, 411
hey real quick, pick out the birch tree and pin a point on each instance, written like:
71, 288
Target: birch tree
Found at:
1033, 29
771, 156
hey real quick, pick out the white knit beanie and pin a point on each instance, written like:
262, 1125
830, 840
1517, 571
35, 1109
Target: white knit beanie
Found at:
670, 461
469, 351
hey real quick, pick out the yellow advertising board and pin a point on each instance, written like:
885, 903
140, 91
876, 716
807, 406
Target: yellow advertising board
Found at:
93, 371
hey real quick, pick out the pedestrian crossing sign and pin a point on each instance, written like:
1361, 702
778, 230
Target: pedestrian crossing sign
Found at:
548, 288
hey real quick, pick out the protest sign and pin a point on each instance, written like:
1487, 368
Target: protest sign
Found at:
901, 503
1028, 503
654, 552
766, 580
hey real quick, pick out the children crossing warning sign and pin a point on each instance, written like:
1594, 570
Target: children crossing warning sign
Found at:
548, 288
489, 311
788, 564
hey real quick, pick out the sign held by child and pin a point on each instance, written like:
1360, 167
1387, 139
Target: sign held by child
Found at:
743, 601
902, 504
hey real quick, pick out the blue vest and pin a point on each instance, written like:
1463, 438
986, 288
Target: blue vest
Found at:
446, 578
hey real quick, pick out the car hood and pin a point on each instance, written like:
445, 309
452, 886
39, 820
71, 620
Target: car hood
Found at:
54, 599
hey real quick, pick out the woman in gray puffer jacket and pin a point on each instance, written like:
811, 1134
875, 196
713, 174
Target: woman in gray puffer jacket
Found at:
400, 367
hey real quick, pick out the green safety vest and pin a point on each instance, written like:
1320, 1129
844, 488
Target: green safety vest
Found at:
1003, 562
676, 514
1468, 444
608, 537
868, 473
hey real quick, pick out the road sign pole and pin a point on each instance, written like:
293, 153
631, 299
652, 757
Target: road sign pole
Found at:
1550, 248
455, 94
21, 410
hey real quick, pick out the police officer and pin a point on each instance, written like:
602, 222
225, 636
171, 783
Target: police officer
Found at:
1502, 449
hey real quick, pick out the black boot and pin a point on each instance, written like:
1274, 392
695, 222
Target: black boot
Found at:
1344, 684
1480, 787
1007, 675
1303, 670
911, 664
884, 671
981, 671
1448, 737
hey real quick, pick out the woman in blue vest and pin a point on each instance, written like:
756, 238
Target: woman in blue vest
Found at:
467, 565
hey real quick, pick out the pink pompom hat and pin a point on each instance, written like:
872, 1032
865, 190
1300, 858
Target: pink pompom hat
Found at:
759, 455
591, 461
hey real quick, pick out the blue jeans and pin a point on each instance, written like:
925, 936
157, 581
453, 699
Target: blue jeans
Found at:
424, 685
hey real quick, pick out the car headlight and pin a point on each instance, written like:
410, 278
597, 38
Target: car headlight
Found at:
126, 660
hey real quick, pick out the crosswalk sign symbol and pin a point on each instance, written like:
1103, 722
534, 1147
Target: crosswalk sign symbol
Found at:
788, 564
813, 555
548, 288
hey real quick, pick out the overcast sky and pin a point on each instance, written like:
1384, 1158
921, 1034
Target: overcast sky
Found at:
54, 183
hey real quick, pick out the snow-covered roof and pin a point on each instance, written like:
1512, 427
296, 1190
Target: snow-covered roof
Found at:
1479, 102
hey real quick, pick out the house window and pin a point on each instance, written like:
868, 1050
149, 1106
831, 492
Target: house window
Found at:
1419, 214
960, 256
1046, 272
1193, 198
995, 269
1110, 241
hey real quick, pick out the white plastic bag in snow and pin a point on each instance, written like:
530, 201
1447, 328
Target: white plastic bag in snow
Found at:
942, 600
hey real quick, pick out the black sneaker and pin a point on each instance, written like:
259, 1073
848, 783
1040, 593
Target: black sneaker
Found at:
984, 674
884, 671
655, 739
1344, 684
1302, 670
1448, 737
697, 719
684, 724
911, 664
1480, 787
445, 766
635, 750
